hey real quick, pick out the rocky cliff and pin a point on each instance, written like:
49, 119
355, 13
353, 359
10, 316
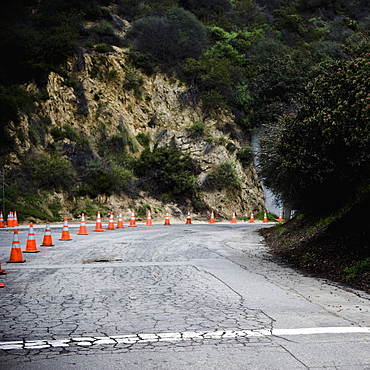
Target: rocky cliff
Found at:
103, 91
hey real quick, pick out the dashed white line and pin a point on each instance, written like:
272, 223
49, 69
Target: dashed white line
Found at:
172, 337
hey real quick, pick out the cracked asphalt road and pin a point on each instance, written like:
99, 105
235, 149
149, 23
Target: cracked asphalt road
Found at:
182, 296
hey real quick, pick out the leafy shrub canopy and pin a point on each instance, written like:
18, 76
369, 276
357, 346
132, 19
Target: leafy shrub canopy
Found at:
166, 170
321, 155
171, 38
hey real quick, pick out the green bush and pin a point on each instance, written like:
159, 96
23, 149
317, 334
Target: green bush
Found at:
101, 177
117, 145
102, 48
213, 99
51, 172
222, 141
359, 268
231, 147
196, 130
169, 39
142, 210
146, 62
134, 81
88, 207
55, 208
224, 176
80, 140
30, 203
104, 28
143, 139
166, 170
245, 155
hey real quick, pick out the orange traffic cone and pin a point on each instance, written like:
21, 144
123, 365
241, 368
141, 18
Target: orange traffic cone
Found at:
82, 230
280, 219
47, 241
120, 221
167, 220
15, 219
132, 219
2, 272
265, 217
251, 220
233, 219
111, 222
31, 241
16, 253
98, 225
2, 223
10, 219
149, 221
188, 219
212, 219
65, 232
2, 285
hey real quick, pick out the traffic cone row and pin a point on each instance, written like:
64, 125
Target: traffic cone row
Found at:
16, 252
99, 227
12, 220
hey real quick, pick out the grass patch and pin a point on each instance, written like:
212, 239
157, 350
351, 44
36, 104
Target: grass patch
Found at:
359, 268
196, 130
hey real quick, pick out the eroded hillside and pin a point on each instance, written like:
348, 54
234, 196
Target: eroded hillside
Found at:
101, 113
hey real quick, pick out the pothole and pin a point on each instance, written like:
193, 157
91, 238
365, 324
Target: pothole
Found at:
101, 260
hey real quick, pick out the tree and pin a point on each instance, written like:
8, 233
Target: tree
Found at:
280, 72
206, 10
320, 156
169, 39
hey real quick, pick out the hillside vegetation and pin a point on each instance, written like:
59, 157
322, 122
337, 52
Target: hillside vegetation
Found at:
299, 68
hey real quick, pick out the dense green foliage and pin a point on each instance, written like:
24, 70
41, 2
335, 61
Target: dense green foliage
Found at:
321, 155
224, 176
169, 39
168, 172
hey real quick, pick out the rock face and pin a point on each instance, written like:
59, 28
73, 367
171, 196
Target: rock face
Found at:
105, 90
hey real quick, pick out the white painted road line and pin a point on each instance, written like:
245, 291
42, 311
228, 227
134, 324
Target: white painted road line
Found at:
172, 337
329, 330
